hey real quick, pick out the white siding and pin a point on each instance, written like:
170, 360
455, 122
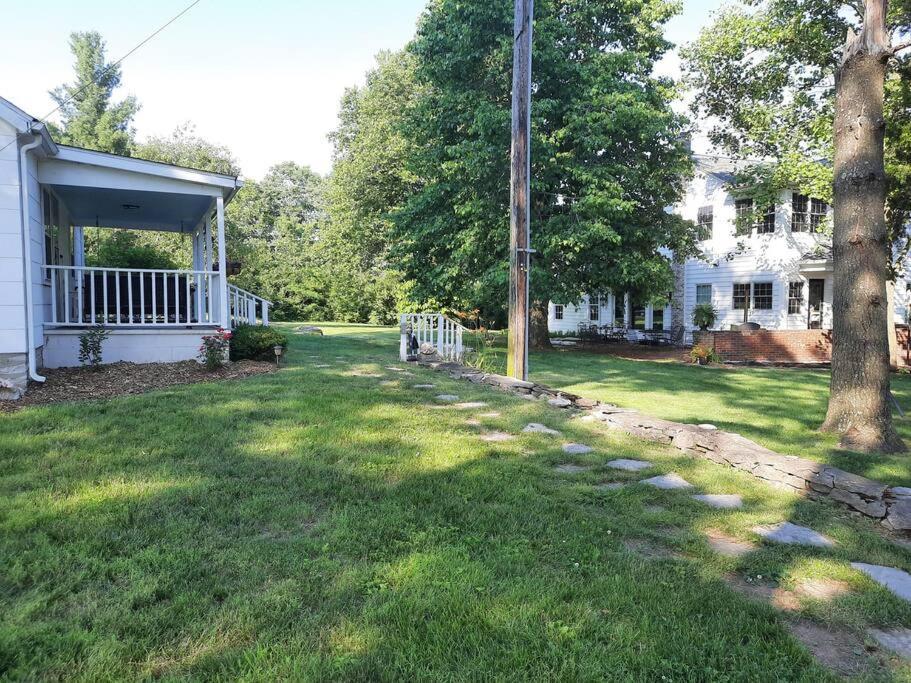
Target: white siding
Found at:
12, 292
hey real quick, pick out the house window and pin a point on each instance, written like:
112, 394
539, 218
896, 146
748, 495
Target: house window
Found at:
594, 312
743, 210
795, 297
558, 311
619, 310
51, 210
741, 295
658, 317
762, 296
818, 212
703, 294
704, 220
766, 224
799, 205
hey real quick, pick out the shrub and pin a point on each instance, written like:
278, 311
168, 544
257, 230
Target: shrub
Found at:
214, 348
256, 342
704, 316
703, 355
90, 346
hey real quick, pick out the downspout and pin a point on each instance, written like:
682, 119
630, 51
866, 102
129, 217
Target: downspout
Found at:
27, 257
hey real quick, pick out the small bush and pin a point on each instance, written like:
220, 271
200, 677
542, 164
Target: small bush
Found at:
703, 355
214, 349
256, 342
90, 346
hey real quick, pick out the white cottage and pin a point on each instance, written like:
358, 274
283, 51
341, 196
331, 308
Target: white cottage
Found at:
780, 266
48, 296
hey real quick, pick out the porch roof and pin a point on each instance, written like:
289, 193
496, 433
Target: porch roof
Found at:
107, 190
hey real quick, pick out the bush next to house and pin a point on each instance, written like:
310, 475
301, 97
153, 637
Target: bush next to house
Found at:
256, 342
91, 343
214, 348
704, 316
703, 355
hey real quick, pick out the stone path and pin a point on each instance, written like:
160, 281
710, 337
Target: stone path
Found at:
721, 501
629, 465
569, 468
726, 545
668, 482
496, 437
448, 398
577, 448
559, 402
322, 365
423, 386
792, 534
470, 405
538, 428
896, 639
896, 580
491, 414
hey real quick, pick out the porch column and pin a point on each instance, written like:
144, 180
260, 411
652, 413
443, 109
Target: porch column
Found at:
207, 228
78, 246
627, 313
222, 262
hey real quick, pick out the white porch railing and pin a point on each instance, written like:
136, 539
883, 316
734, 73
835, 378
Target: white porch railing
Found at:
242, 307
436, 329
81, 295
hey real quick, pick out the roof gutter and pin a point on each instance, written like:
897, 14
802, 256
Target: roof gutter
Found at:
25, 214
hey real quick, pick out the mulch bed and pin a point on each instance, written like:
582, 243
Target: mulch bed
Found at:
65, 385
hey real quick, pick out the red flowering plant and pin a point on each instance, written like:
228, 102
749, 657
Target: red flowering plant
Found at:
214, 349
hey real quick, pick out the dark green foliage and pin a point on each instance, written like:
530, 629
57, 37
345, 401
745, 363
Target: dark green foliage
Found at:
256, 342
704, 316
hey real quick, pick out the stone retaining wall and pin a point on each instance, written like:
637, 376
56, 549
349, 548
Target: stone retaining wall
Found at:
891, 505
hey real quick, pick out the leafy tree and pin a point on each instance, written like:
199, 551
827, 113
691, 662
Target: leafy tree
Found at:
88, 115
369, 182
782, 83
606, 154
184, 148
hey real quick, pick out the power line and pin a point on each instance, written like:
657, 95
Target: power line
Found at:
110, 67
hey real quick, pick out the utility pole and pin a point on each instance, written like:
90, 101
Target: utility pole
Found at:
520, 200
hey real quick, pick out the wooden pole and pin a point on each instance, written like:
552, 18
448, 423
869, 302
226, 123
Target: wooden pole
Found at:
519, 235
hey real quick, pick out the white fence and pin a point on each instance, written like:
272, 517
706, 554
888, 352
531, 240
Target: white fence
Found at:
81, 295
243, 306
139, 297
435, 329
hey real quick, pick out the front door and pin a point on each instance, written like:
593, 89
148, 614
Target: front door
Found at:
814, 308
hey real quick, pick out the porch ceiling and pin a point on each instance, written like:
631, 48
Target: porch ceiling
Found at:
136, 209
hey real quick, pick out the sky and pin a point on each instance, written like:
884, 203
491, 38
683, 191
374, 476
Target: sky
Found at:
262, 77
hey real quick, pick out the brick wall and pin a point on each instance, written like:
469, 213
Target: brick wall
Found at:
780, 346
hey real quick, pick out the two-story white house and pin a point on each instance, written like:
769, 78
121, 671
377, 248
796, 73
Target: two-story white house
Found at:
776, 263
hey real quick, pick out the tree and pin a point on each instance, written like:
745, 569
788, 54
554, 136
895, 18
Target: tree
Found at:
606, 155
88, 115
370, 181
782, 83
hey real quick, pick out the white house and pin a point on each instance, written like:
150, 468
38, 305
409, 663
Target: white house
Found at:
780, 266
48, 297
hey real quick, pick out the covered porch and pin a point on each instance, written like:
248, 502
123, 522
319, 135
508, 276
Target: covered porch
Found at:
152, 314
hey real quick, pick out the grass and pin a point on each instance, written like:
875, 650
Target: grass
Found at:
780, 408
321, 524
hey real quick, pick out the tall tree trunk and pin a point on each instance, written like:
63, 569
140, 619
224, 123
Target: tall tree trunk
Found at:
890, 325
678, 324
539, 335
859, 406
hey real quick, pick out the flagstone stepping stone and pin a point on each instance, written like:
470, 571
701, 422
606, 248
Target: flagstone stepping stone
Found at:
470, 405
559, 402
708, 427
668, 482
389, 383
629, 465
569, 468
496, 437
577, 448
527, 397
322, 365
395, 369
722, 501
726, 545
448, 398
610, 486
491, 414
473, 423
793, 534
896, 580
538, 428
423, 386
896, 639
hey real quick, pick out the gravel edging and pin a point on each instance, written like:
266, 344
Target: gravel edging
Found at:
890, 505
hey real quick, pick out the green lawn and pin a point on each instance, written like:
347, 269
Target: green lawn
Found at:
319, 524
780, 408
